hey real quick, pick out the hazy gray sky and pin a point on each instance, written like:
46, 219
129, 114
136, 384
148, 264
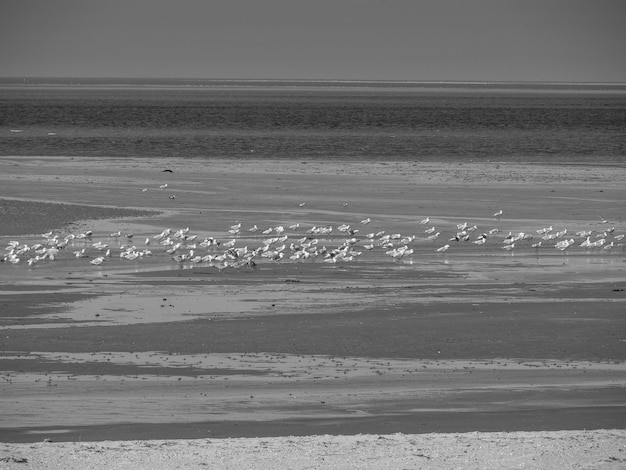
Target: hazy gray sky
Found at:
555, 40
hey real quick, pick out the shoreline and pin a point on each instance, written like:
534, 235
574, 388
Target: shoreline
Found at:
288, 344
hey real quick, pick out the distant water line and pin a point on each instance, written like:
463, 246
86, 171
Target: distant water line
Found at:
401, 121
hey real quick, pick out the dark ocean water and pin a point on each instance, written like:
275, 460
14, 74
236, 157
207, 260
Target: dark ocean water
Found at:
327, 120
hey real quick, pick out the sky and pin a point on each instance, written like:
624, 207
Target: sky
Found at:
447, 40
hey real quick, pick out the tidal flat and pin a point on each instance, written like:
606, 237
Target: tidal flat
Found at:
360, 324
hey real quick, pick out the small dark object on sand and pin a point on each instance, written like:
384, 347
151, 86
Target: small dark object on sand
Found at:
14, 459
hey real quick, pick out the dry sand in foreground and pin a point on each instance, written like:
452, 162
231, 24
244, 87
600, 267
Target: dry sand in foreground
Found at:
601, 449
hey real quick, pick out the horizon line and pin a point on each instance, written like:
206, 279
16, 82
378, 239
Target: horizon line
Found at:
24, 78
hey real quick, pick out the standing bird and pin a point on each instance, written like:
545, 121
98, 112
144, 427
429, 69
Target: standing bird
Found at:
443, 249
498, 214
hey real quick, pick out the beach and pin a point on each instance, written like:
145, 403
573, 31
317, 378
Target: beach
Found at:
575, 450
469, 357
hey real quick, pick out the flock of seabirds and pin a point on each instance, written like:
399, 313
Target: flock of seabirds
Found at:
293, 243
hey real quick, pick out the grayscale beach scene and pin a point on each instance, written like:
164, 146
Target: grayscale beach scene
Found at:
311, 264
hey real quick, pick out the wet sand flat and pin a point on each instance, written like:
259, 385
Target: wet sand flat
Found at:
476, 338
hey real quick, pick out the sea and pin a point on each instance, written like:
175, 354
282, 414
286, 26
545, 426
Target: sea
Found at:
551, 123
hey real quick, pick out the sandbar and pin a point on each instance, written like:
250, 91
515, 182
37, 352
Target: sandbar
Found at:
476, 355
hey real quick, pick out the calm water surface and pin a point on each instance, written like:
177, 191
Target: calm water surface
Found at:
287, 120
